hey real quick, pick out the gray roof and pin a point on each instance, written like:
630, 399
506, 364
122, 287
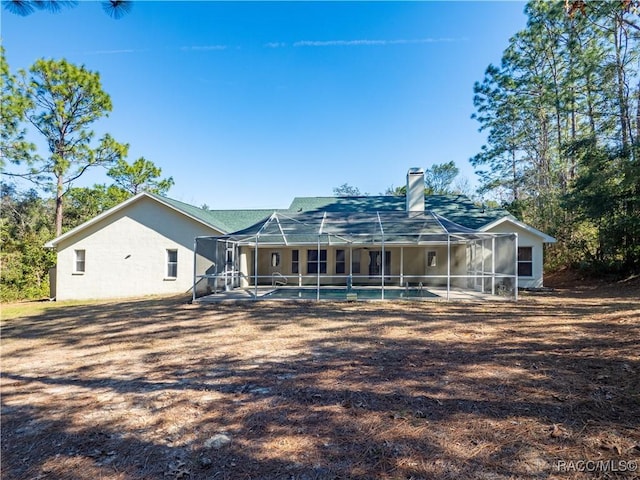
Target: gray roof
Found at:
454, 212
225, 221
456, 208
344, 227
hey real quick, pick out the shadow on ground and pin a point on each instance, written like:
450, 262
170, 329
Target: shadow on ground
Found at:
160, 389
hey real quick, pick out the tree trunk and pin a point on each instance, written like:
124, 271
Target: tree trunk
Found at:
59, 195
637, 119
514, 176
590, 109
513, 149
573, 102
622, 98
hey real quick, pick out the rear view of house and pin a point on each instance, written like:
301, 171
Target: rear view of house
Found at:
147, 245
408, 243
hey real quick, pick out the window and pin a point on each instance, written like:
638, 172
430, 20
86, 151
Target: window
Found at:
525, 261
295, 264
275, 259
172, 263
79, 265
315, 265
355, 261
340, 261
431, 259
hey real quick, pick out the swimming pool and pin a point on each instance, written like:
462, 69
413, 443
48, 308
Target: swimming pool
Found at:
333, 293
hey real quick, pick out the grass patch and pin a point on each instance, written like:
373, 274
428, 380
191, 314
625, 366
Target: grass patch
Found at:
35, 308
13, 310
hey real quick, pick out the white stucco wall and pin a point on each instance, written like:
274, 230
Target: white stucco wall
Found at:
526, 239
126, 254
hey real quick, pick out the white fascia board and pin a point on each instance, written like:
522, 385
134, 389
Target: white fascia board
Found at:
545, 238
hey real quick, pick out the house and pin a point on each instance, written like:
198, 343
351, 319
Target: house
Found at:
151, 244
143, 246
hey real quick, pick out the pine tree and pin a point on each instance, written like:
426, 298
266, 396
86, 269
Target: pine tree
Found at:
67, 99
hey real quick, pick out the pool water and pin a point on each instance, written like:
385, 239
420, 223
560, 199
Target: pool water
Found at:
341, 293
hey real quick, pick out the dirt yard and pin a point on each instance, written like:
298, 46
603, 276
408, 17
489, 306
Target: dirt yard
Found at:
160, 389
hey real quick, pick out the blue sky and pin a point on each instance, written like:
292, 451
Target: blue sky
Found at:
247, 105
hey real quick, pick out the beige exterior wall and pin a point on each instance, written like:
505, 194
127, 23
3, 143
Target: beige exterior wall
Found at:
526, 239
126, 254
414, 265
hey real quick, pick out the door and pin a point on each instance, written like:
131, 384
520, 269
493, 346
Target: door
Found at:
274, 261
375, 263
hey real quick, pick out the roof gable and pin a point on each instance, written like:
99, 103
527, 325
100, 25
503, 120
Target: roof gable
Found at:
510, 219
179, 207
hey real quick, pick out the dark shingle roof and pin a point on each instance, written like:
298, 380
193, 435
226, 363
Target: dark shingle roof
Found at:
374, 203
457, 208
234, 220
225, 221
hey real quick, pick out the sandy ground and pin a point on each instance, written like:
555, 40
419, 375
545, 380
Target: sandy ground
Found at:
161, 389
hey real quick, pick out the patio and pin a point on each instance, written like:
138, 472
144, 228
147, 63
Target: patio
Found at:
390, 251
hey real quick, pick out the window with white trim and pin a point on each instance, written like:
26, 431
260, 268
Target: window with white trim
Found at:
432, 260
79, 263
525, 261
315, 264
172, 263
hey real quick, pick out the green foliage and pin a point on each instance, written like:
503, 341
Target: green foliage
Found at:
14, 104
499, 163
67, 99
61, 101
439, 177
607, 195
141, 176
114, 8
517, 208
23, 232
396, 191
560, 151
83, 204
